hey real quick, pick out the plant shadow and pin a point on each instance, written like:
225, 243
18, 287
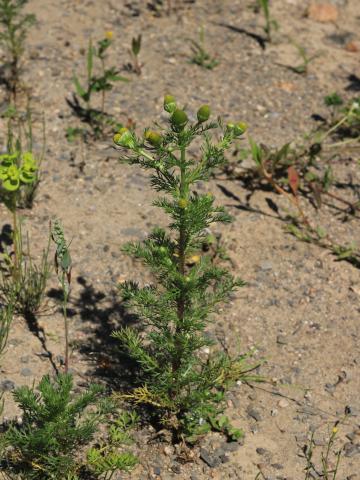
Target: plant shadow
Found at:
261, 41
103, 314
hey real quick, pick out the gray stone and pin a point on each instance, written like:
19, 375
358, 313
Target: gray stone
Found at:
211, 460
281, 340
266, 266
7, 385
352, 450
253, 413
26, 372
157, 470
232, 446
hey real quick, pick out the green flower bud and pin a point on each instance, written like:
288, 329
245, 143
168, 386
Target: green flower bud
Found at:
230, 126
154, 138
183, 203
203, 113
178, 120
169, 103
124, 138
240, 128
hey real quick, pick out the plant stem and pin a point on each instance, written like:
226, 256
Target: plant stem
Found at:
181, 267
16, 270
103, 90
66, 326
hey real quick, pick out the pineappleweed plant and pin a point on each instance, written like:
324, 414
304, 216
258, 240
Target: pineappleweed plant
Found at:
178, 378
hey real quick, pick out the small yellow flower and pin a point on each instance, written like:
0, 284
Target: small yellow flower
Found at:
194, 259
183, 203
335, 429
109, 35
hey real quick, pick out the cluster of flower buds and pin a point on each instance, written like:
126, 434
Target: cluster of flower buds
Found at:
17, 169
236, 129
179, 118
178, 121
125, 138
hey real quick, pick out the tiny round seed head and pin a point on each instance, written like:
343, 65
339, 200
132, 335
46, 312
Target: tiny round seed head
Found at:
169, 103
203, 113
179, 119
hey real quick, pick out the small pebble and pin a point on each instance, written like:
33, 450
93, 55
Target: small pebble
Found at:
283, 403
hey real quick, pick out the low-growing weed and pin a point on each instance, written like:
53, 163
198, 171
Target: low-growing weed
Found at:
104, 460
199, 54
20, 139
328, 465
344, 122
180, 378
105, 463
55, 423
305, 60
295, 171
101, 83
119, 430
21, 279
14, 30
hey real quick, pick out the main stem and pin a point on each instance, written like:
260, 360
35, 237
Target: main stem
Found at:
181, 267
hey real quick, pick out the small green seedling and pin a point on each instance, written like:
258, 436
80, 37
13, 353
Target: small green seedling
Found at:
105, 460
135, 51
334, 102
55, 423
302, 68
100, 83
222, 424
105, 463
14, 30
63, 265
199, 54
270, 23
119, 430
